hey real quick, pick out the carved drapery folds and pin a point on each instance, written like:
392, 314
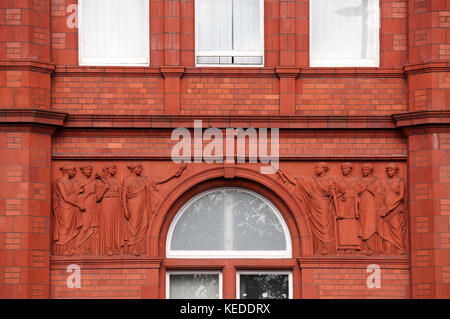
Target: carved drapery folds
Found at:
97, 214
106, 210
353, 215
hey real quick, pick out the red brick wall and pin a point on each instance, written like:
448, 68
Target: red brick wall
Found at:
225, 96
322, 144
25, 29
108, 95
338, 283
39, 70
99, 283
351, 96
112, 278
25, 89
24, 214
430, 218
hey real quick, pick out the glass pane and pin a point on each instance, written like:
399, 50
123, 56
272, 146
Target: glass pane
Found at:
344, 29
228, 219
194, 286
264, 286
214, 29
248, 60
114, 30
246, 25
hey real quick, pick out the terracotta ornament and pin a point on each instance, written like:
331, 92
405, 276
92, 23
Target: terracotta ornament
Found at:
66, 208
139, 199
348, 226
87, 240
112, 240
370, 205
318, 197
352, 215
101, 215
393, 214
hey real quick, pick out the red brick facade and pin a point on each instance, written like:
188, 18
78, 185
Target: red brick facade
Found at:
53, 111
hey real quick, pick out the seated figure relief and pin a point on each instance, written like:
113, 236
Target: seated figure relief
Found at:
97, 214
353, 215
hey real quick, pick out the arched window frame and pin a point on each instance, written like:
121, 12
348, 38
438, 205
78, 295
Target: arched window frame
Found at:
215, 254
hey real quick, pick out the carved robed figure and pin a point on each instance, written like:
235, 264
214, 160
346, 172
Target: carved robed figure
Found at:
394, 225
65, 207
348, 225
318, 197
370, 204
87, 239
139, 199
112, 224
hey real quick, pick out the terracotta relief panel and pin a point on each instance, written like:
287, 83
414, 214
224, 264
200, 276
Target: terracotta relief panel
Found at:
353, 208
104, 208
97, 212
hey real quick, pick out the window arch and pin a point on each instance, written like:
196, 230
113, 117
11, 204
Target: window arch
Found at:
228, 222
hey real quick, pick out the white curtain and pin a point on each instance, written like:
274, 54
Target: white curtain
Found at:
229, 25
214, 25
344, 32
194, 286
246, 25
114, 32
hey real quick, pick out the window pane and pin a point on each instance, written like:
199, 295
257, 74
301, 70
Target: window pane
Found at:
264, 286
246, 25
214, 25
344, 29
248, 60
114, 31
229, 219
194, 286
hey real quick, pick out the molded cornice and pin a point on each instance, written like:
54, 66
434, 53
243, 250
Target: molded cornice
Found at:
427, 68
272, 121
422, 118
342, 261
35, 66
86, 262
32, 116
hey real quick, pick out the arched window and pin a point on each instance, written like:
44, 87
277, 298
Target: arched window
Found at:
228, 222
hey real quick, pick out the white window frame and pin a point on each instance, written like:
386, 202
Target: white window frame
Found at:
231, 53
336, 62
214, 254
193, 272
110, 61
263, 272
